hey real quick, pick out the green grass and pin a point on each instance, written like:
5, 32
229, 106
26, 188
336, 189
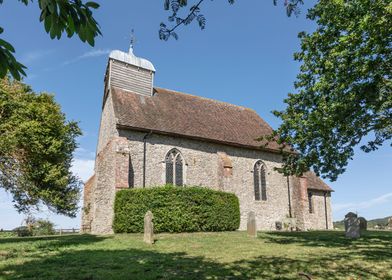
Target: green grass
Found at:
226, 255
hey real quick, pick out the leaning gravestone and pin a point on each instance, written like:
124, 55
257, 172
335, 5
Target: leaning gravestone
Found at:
349, 215
251, 226
352, 225
362, 224
148, 228
390, 223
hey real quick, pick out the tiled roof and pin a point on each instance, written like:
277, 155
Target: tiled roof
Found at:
176, 113
315, 183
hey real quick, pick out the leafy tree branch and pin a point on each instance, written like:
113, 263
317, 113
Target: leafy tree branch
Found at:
174, 6
344, 87
59, 17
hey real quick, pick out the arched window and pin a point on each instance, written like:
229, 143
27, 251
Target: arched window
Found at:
310, 201
260, 185
174, 168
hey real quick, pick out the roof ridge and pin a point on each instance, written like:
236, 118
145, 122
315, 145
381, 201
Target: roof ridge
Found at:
207, 98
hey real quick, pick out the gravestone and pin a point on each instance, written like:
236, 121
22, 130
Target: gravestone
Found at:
148, 228
349, 215
389, 226
362, 224
352, 225
251, 226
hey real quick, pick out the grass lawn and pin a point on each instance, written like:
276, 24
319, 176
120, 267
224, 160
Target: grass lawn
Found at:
227, 255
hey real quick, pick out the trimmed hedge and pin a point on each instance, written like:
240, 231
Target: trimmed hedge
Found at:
176, 209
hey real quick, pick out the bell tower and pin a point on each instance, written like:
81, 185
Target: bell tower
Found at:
129, 72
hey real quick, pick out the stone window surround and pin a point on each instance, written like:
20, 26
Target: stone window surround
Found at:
261, 201
184, 165
310, 203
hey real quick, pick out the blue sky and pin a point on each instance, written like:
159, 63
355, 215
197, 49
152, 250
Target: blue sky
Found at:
244, 56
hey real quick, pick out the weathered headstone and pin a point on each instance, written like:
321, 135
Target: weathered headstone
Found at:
362, 224
390, 223
352, 225
148, 228
349, 215
251, 226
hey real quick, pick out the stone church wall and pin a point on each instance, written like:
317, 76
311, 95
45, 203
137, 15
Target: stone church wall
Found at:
204, 167
316, 219
120, 165
107, 128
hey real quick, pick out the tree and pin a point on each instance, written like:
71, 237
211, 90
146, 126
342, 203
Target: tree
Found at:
343, 87
36, 147
74, 17
195, 14
58, 16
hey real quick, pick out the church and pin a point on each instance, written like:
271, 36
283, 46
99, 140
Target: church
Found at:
150, 136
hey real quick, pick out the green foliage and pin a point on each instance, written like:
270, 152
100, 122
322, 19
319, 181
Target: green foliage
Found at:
176, 209
58, 16
195, 15
36, 147
343, 88
7, 234
75, 17
43, 227
35, 227
23, 231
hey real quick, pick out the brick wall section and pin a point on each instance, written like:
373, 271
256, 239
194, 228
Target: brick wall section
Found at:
316, 220
300, 200
86, 210
111, 169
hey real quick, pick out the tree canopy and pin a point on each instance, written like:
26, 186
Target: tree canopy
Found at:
58, 16
343, 88
175, 18
36, 148
76, 17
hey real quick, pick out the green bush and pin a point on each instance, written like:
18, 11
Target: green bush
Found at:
43, 227
23, 231
176, 209
35, 227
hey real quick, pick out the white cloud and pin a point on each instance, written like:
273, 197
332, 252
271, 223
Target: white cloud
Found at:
364, 204
33, 56
83, 168
89, 54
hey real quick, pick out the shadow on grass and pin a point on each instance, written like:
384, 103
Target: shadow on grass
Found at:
141, 264
375, 245
328, 238
148, 263
72, 238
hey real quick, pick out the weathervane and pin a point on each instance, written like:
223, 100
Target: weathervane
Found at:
133, 41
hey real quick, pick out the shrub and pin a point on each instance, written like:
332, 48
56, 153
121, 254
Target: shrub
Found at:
35, 227
176, 209
23, 231
43, 227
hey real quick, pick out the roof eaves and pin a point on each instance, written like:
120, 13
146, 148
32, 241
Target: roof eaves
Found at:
143, 129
